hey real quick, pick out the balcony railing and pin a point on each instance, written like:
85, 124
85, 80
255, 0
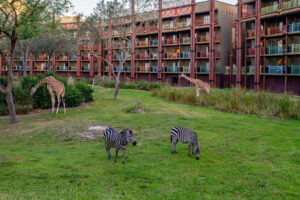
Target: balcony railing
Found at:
182, 24
294, 48
185, 40
142, 44
203, 54
173, 69
73, 58
294, 27
154, 43
249, 13
273, 50
276, 30
289, 4
142, 56
154, 69
85, 68
201, 22
170, 41
202, 38
143, 68
294, 69
185, 69
275, 69
154, 55
171, 55
269, 9
203, 69
185, 55
251, 52
62, 68
147, 29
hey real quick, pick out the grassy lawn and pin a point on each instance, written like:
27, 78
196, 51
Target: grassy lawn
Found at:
242, 156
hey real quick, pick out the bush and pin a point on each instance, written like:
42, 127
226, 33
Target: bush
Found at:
86, 91
73, 97
236, 100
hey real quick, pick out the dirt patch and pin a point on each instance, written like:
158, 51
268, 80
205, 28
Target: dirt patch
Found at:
43, 111
93, 133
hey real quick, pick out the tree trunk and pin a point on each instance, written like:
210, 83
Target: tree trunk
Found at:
11, 107
116, 89
24, 60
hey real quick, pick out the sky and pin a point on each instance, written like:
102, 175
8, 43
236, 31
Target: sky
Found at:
86, 6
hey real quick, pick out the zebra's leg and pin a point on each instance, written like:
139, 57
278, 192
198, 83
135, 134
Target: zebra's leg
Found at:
189, 150
124, 156
193, 149
117, 150
173, 146
108, 152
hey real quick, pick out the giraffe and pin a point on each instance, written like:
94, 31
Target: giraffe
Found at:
198, 84
53, 85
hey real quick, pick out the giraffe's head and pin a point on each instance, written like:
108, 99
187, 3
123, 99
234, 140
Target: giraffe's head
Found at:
207, 89
182, 75
33, 90
129, 136
197, 151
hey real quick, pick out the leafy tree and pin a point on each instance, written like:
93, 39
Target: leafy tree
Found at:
21, 20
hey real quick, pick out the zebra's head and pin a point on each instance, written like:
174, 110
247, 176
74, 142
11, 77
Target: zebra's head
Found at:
129, 136
197, 151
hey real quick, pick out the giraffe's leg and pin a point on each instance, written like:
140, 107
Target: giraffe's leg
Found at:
58, 102
197, 91
63, 100
52, 97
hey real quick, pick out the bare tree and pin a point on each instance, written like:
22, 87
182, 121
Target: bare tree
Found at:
123, 18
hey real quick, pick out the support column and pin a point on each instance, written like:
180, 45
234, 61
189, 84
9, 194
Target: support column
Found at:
192, 56
31, 64
78, 64
132, 74
286, 51
257, 46
92, 59
100, 51
159, 75
239, 46
212, 44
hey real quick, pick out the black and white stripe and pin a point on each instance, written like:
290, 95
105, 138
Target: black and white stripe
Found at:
185, 135
118, 140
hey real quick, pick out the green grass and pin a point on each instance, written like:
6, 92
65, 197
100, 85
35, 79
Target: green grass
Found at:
242, 156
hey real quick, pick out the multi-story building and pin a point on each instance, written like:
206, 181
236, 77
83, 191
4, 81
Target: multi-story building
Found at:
182, 35
271, 44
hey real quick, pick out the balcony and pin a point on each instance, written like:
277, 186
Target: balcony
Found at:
294, 48
84, 58
294, 69
202, 39
276, 30
275, 69
154, 55
185, 55
170, 41
117, 57
143, 68
275, 50
171, 55
294, 27
62, 68
147, 29
142, 56
185, 40
249, 13
154, 69
154, 43
183, 24
203, 69
202, 22
142, 44
202, 54
251, 51
270, 9
73, 58
185, 69
85, 68
171, 69
63, 58
290, 4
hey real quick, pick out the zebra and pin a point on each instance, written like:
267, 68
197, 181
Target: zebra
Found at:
118, 140
185, 135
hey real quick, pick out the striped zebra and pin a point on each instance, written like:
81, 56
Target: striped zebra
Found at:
185, 135
118, 140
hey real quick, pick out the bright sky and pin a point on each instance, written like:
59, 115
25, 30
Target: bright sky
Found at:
86, 6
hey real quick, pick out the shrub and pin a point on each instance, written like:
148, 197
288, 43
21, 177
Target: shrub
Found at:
73, 97
236, 100
86, 91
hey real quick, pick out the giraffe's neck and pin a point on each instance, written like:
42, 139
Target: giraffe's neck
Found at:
189, 79
41, 82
